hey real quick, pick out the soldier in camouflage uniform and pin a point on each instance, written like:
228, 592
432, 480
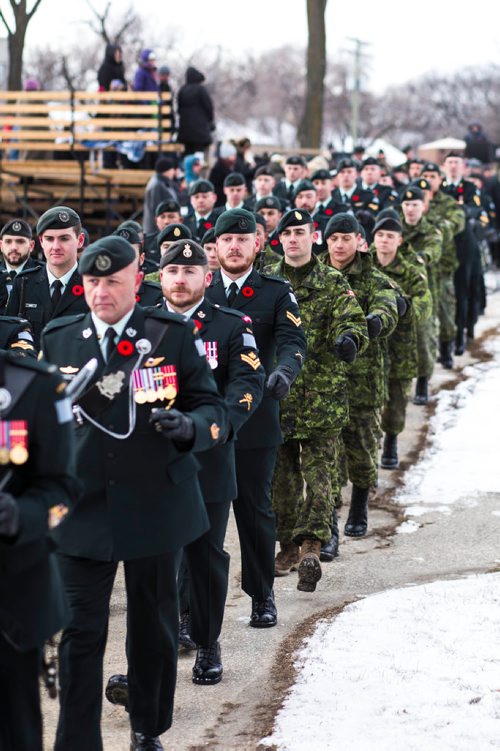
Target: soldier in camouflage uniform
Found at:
401, 346
425, 240
314, 414
377, 297
449, 216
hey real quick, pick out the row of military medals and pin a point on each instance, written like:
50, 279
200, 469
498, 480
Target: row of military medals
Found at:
13, 441
155, 384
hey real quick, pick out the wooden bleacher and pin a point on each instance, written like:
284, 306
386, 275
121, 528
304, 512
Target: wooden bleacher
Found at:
52, 147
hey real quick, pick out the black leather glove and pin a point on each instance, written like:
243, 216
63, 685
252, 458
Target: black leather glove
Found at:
280, 381
374, 324
173, 424
10, 521
346, 348
403, 305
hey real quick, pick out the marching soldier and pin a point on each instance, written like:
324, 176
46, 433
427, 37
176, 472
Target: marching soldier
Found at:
54, 289
369, 180
270, 304
350, 196
153, 396
316, 410
169, 235
203, 213
37, 472
167, 212
149, 293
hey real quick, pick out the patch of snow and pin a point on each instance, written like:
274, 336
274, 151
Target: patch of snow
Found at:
408, 527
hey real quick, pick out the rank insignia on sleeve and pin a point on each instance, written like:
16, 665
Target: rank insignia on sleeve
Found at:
294, 319
214, 431
251, 359
22, 345
477, 200
247, 399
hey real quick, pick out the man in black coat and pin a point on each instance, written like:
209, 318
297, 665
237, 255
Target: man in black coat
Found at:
54, 289
272, 307
195, 111
37, 472
16, 244
153, 397
203, 214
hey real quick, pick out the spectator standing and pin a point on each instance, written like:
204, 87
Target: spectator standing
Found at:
112, 68
195, 112
145, 78
161, 187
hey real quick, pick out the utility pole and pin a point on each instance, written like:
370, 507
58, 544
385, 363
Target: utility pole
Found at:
356, 89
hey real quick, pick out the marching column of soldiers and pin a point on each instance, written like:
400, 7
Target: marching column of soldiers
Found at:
257, 355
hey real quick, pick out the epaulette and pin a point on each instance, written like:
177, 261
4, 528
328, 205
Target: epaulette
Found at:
275, 279
148, 283
32, 270
231, 311
29, 362
58, 323
14, 319
166, 315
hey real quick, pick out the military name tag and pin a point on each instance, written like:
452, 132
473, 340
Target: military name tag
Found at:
13, 441
212, 354
155, 384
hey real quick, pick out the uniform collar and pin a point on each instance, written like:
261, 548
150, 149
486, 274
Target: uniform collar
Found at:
64, 279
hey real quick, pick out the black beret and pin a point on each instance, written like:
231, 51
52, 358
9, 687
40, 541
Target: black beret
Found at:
86, 237
421, 183
342, 222
129, 234
18, 228
107, 256
208, 237
370, 161
201, 186
184, 253
237, 221
168, 205
264, 170
269, 202
299, 160
389, 212
172, 233
412, 193
431, 167
259, 219
58, 217
303, 186
321, 174
294, 218
346, 164
164, 163
234, 179
389, 224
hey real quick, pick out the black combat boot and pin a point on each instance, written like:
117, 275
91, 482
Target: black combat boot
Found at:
389, 458
446, 354
207, 669
459, 342
421, 391
357, 521
330, 550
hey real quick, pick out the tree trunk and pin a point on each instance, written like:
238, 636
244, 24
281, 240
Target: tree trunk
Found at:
310, 128
16, 48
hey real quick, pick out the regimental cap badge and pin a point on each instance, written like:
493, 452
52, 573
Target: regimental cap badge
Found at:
187, 252
177, 232
103, 262
63, 216
124, 233
409, 194
298, 215
16, 226
242, 223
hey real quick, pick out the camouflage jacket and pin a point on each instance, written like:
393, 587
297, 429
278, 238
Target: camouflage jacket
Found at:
376, 295
400, 354
449, 217
426, 240
328, 308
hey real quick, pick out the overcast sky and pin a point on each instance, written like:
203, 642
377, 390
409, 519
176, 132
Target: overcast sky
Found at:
404, 39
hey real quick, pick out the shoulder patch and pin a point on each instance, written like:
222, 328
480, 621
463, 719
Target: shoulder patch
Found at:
30, 363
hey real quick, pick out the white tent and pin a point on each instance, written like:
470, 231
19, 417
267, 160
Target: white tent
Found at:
448, 144
393, 156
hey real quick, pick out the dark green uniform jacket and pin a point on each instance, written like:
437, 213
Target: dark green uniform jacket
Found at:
141, 496
16, 335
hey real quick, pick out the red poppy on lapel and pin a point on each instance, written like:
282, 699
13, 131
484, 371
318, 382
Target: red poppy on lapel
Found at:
125, 348
247, 292
77, 290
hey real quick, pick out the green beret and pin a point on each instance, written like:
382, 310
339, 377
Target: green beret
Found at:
86, 237
235, 221
297, 160
259, 219
431, 167
130, 234
321, 174
131, 224
421, 183
294, 218
269, 202
303, 186
169, 205
344, 223
347, 164
184, 253
173, 232
58, 217
17, 228
389, 212
412, 193
389, 224
370, 161
234, 179
106, 256
208, 237
201, 186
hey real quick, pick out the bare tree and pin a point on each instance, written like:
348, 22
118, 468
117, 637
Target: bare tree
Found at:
16, 35
100, 24
310, 127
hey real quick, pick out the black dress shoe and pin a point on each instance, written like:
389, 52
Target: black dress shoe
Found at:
185, 640
117, 690
330, 550
207, 669
264, 614
144, 742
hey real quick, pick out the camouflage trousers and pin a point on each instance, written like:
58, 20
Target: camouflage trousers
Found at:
360, 439
426, 346
303, 497
447, 309
394, 411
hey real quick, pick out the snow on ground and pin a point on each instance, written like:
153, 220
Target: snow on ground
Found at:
462, 459
415, 669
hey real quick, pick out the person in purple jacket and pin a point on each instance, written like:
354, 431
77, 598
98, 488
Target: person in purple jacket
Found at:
145, 78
